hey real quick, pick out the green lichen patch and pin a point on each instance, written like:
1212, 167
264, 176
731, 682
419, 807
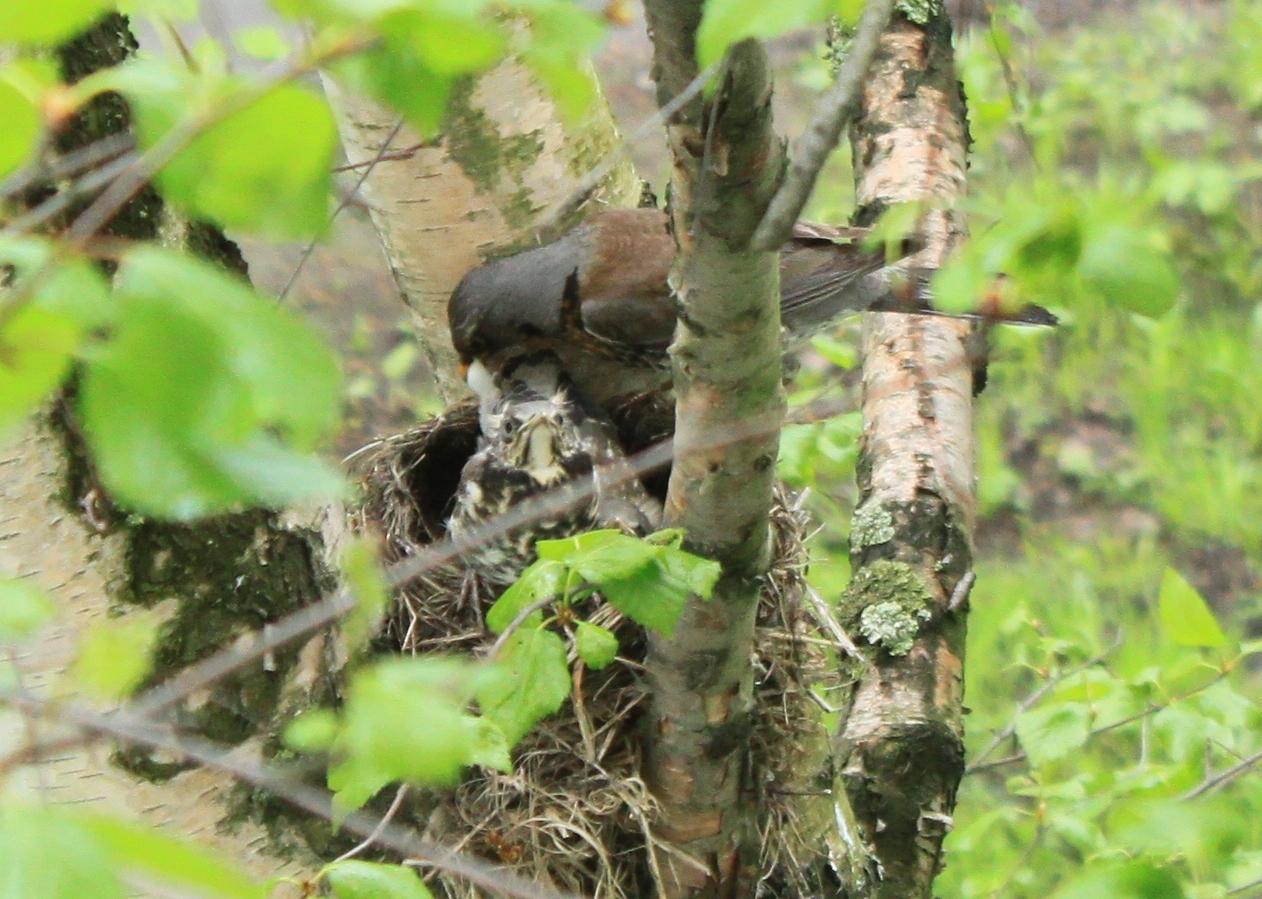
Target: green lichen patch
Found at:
872, 525
886, 602
919, 11
475, 143
891, 626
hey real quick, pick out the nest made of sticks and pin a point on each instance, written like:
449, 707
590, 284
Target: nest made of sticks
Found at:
575, 813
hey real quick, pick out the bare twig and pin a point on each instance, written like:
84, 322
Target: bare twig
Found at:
1245, 886
517, 622
1021, 864
1034, 698
131, 728
395, 805
346, 201
1153, 709
825, 617
546, 230
137, 175
811, 150
93, 181
1010, 83
322, 613
396, 156
69, 165
1217, 780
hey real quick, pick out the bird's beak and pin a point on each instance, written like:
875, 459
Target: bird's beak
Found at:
536, 451
540, 447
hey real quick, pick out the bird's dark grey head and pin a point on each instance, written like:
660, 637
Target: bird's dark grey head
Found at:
502, 303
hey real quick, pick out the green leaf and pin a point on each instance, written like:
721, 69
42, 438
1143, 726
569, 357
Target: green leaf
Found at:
47, 21
691, 572
155, 857
264, 168
843, 354
601, 556
170, 10
1184, 615
24, 608
312, 731
405, 720
561, 38
48, 856
596, 646
35, 351
643, 579
489, 746
116, 654
1129, 879
449, 43
673, 537
395, 73
399, 361
726, 22
1052, 731
76, 289
1120, 264
270, 473
655, 596
72, 288
21, 127
183, 405
262, 43
354, 781
353, 879
962, 282
361, 568
544, 578
533, 682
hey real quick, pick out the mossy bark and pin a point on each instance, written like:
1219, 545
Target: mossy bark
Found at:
900, 749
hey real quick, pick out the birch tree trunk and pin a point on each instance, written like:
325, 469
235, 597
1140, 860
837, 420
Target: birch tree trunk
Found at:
901, 747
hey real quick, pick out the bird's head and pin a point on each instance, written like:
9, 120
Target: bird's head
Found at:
537, 441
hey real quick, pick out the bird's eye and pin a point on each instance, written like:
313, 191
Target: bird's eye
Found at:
509, 426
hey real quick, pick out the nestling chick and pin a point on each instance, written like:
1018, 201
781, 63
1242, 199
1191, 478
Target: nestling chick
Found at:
537, 435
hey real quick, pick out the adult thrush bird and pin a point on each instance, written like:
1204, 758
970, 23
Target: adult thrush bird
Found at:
537, 435
599, 298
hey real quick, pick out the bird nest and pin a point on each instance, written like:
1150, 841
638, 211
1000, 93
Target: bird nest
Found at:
575, 813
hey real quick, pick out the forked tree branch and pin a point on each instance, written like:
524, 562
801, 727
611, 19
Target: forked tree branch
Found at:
833, 111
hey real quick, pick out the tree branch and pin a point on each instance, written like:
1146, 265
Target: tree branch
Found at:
832, 112
727, 371
131, 729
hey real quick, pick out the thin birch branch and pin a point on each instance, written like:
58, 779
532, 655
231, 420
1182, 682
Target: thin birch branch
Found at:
832, 113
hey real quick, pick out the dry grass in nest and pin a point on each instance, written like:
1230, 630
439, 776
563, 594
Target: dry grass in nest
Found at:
575, 814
